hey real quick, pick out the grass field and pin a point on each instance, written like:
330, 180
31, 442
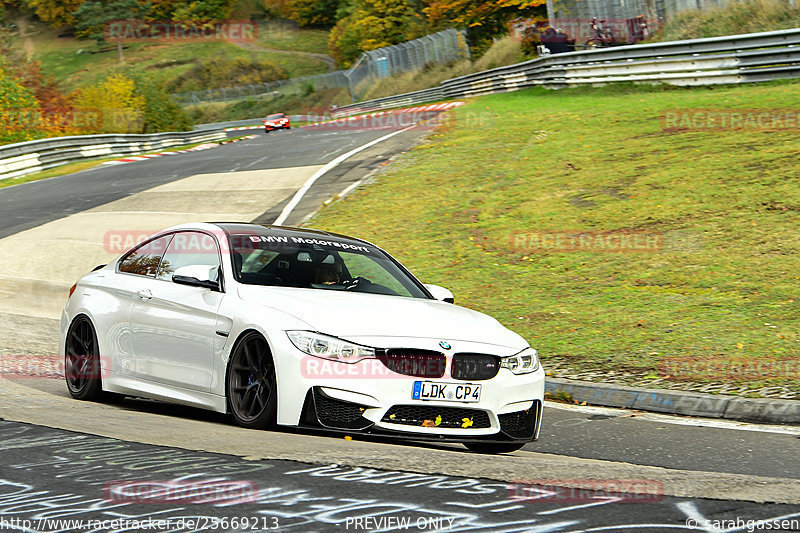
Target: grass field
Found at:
283, 37
473, 210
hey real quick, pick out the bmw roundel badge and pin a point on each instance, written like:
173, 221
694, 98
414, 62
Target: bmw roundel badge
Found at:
445, 345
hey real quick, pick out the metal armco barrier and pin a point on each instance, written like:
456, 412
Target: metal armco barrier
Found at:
25, 158
751, 57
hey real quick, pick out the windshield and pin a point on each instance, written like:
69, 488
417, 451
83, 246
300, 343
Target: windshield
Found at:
316, 262
279, 115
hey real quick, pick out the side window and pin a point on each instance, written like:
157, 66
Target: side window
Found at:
188, 248
144, 260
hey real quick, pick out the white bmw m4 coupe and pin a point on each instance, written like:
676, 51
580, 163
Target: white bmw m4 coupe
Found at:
295, 327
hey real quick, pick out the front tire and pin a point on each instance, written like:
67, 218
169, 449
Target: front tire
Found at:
251, 384
493, 448
82, 361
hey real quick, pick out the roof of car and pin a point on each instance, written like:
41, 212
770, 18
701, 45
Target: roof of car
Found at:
241, 227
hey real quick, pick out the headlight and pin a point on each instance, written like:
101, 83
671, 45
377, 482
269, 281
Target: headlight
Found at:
524, 362
320, 345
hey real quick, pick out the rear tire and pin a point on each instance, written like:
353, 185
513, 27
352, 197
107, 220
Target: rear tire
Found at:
250, 384
493, 448
82, 361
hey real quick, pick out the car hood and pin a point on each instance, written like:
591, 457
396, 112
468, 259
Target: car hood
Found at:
351, 315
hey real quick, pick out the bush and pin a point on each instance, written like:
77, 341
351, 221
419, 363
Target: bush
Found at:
160, 112
216, 73
118, 103
20, 114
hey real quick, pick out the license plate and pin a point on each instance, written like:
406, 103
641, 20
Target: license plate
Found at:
446, 392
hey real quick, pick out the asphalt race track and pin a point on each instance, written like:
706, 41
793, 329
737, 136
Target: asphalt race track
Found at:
136, 460
33, 204
51, 477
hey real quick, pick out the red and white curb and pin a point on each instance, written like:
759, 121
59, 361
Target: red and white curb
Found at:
420, 109
199, 147
240, 128
241, 139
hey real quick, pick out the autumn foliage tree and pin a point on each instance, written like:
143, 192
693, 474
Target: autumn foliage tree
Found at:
19, 110
116, 101
483, 19
374, 24
370, 24
55, 107
202, 11
55, 12
313, 13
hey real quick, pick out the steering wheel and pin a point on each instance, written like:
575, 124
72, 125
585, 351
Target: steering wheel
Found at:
352, 283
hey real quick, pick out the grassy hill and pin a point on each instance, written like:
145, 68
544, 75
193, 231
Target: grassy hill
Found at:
479, 207
78, 63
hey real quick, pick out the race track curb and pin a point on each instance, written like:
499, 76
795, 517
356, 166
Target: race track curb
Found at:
679, 402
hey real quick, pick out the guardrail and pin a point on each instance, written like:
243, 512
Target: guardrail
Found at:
751, 57
25, 158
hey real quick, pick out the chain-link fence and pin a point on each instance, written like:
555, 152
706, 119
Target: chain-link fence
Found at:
435, 49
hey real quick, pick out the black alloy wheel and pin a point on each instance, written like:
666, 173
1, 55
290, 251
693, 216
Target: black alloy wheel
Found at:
251, 385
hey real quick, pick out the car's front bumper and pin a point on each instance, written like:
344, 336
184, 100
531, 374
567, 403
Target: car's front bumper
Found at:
322, 410
366, 396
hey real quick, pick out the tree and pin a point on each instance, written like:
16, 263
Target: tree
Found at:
117, 101
20, 116
164, 9
55, 107
55, 12
160, 112
93, 15
375, 24
316, 13
200, 12
483, 18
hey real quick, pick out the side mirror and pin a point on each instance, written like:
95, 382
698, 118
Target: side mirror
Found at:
197, 276
440, 293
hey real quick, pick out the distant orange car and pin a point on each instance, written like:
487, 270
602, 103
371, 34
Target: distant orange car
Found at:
276, 122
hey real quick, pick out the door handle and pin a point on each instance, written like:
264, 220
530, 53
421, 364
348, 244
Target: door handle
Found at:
144, 294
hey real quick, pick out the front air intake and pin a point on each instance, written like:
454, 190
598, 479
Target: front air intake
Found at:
412, 362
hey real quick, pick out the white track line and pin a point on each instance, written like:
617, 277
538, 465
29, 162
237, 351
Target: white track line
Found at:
676, 419
318, 174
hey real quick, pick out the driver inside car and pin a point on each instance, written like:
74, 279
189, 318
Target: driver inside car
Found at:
328, 273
